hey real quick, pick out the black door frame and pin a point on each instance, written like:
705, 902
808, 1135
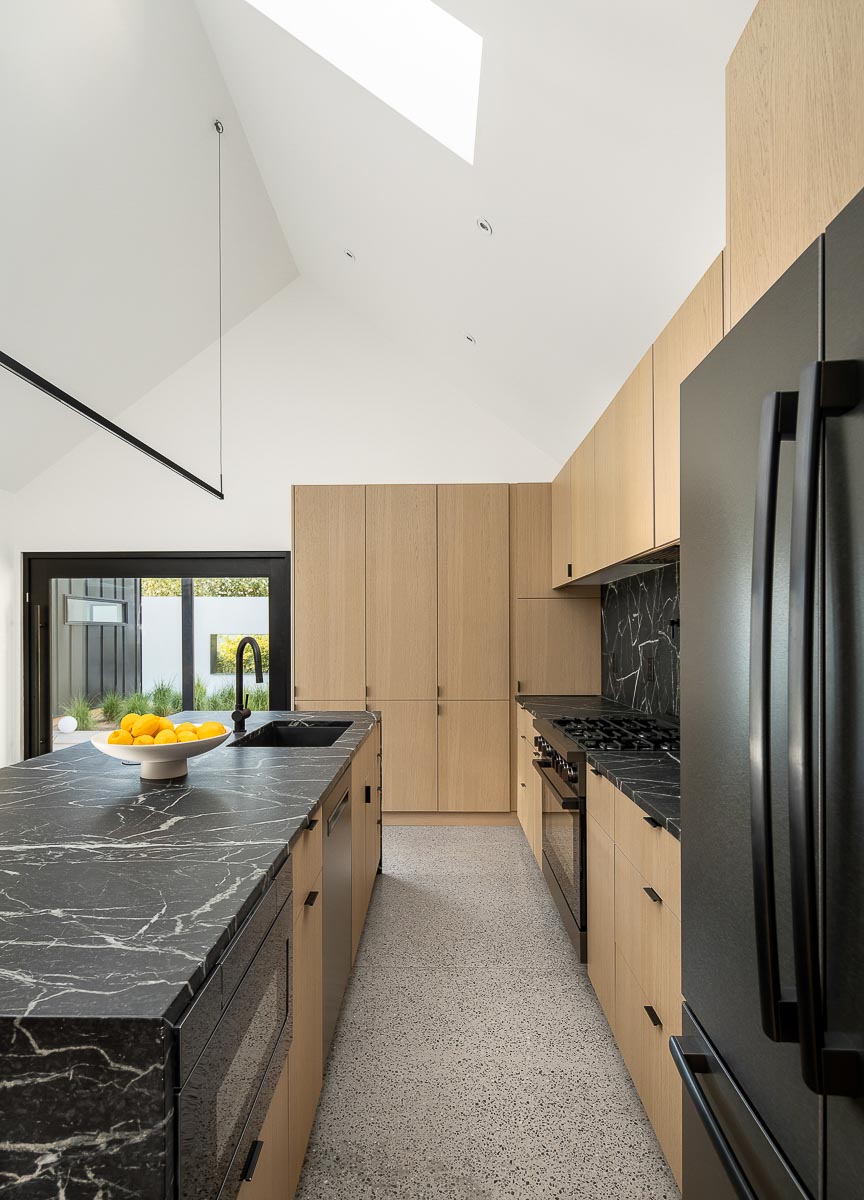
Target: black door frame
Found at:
40, 568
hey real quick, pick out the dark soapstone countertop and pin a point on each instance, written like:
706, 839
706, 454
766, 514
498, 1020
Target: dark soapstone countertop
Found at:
652, 780
118, 895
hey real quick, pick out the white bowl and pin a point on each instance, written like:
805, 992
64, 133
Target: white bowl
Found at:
168, 761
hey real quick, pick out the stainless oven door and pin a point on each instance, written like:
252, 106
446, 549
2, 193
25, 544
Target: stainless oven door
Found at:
564, 849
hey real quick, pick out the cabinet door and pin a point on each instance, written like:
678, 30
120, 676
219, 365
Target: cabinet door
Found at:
373, 814
473, 756
600, 859
524, 770
531, 540
409, 754
270, 1180
305, 1056
328, 562
624, 470
692, 333
473, 591
364, 787
794, 135
583, 513
562, 559
556, 647
630, 1022
401, 602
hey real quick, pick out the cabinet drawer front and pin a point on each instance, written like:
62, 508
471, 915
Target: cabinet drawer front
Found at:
654, 853
306, 855
638, 922
630, 1023
600, 797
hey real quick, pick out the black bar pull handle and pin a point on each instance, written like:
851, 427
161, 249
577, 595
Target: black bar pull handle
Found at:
653, 896
652, 1016
367, 793
594, 771
252, 1160
778, 1010
310, 899
691, 1064
652, 821
311, 823
825, 389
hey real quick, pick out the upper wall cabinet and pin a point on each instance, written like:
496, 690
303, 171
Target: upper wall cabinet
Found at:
692, 333
794, 135
401, 627
473, 591
624, 470
530, 541
583, 510
562, 556
329, 593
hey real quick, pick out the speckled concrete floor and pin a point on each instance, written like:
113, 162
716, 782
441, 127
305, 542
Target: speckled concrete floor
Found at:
472, 1060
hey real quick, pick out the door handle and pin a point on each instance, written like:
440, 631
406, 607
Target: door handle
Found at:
652, 821
779, 1012
310, 899
367, 794
252, 1160
826, 389
692, 1063
652, 1016
311, 823
653, 896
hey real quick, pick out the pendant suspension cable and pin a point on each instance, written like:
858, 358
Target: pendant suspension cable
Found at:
219, 130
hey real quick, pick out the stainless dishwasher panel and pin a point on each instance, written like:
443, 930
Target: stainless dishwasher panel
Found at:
337, 905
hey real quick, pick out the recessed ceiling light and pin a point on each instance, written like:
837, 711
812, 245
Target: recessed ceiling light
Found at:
469, 338
484, 226
348, 254
420, 60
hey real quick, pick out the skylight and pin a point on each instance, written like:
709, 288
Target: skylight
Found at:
411, 54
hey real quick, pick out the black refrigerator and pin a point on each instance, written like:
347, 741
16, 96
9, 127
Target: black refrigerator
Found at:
772, 740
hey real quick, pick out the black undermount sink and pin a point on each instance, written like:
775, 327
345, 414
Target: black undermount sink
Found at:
294, 733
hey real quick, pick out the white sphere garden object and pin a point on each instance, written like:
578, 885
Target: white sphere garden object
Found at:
67, 725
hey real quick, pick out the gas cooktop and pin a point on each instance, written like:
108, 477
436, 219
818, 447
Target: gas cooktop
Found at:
620, 733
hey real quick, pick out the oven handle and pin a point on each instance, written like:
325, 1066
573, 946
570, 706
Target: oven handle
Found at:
567, 799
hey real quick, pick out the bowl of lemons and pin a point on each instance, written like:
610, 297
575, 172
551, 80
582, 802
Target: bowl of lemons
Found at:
161, 748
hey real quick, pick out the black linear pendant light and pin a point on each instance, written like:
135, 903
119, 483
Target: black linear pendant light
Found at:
50, 389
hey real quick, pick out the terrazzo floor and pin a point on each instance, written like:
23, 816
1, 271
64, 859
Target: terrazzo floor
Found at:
472, 1060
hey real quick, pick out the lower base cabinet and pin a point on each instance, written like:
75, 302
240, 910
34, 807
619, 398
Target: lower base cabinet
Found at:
365, 832
305, 1065
409, 729
270, 1178
474, 756
529, 789
600, 859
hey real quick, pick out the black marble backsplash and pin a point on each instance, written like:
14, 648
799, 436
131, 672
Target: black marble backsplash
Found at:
640, 640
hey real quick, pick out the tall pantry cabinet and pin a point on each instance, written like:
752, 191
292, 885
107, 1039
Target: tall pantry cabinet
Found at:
412, 597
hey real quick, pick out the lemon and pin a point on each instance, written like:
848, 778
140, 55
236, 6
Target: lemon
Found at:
129, 720
186, 735
210, 729
148, 724
119, 737
185, 727
143, 739
165, 723
165, 737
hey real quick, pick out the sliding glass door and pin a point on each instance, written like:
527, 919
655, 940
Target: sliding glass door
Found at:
107, 634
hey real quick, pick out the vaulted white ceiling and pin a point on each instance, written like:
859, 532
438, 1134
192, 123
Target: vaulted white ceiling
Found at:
108, 211
599, 162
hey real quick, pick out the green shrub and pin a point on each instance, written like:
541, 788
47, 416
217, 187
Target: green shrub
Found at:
259, 698
199, 695
112, 706
137, 702
221, 700
165, 698
79, 707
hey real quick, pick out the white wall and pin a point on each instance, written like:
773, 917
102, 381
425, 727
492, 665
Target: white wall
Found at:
10, 635
312, 395
162, 634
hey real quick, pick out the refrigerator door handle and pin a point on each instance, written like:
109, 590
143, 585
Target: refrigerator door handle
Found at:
779, 1011
692, 1061
826, 389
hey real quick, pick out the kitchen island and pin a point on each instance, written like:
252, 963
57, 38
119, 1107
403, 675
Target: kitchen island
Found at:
125, 908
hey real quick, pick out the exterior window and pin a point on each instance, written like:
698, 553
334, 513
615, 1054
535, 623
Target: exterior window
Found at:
87, 610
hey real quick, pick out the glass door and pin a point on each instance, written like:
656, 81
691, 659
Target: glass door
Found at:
114, 634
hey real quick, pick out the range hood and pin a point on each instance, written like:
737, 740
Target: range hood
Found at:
651, 560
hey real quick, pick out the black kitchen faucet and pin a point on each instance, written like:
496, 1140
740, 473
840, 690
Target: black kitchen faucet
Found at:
241, 705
